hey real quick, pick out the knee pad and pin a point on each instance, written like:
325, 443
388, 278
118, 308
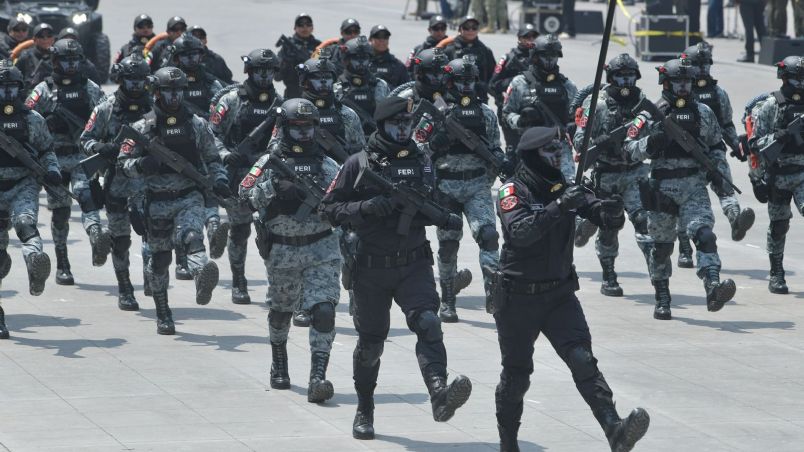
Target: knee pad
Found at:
25, 227
488, 238
582, 363
240, 232
322, 317
640, 221
193, 242
368, 353
705, 240
513, 385
448, 250
781, 197
121, 244
160, 261
662, 251
427, 326
87, 200
60, 215
5, 220
778, 229
160, 228
279, 319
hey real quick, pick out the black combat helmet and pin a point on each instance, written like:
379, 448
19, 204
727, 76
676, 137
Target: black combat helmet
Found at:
357, 56
261, 65
188, 51
462, 77
298, 120
791, 71
316, 77
622, 73
67, 56
11, 82
131, 73
546, 52
676, 78
700, 56
428, 72
169, 85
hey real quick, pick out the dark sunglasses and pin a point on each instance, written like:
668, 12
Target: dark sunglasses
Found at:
439, 28
44, 35
20, 30
178, 29
304, 24
351, 31
469, 27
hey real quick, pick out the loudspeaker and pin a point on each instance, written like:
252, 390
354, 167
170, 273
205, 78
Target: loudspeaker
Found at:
775, 50
546, 19
589, 22
661, 38
658, 7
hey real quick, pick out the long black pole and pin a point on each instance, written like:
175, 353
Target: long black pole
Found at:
601, 61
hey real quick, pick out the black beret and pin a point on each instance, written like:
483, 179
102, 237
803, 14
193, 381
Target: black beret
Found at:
390, 106
536, 137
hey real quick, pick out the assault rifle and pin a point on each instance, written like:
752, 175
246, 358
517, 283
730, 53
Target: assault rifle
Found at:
411, 199
616, 136
290, 47
366, 118
333, 146
73, 122
173, 161
18, 151
770, 153
250, 144
312, 191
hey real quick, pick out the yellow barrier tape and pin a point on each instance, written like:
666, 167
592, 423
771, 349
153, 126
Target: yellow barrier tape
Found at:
667, 33
625, 11
619, 40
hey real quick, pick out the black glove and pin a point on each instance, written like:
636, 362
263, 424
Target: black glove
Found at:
739, 150
761, 190
612, 212
782, 135
717, 181
508, 168
453, 223
657, 141
529, 116
53, 178
573, 198
222, 189
602, 139
439, 141
107, 150
235, 159
149, 165
379, 206
287, 190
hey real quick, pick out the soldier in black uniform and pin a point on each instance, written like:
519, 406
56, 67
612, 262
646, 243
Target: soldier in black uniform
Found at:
385, 64
34, 62
176, 27
392, 266
213, 62
358, 86
143, 32
535, 288
296, 52
438, 31
509, 66
350, 29
17, 33
467, 43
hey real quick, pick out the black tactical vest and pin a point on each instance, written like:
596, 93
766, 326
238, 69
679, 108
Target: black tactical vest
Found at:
332, 121
688, 117
786, 113
471, 117
252, 113
708, 96
552, 94
362, 95
14, 125
178, 135
198, 92
309, 166
128, 112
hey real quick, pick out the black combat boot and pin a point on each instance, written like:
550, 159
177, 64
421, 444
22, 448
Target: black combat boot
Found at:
447, 312
320, 389
301, 318
146, 283
717, 293
63, 275
38, 264
508, 437
101, 244
488, 288
583, 232
5, 264
218, 236
610, 287
182, 271
363, 425
164, 318
742, 223
3, 329
446, 399
205, 280
239, 286
125, 292
622, 434
279, 366
662, 309
462, 280
777, 284
684, 252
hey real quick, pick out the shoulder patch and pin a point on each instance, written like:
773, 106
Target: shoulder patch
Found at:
636, 125
91, 121
508, 203
127, 146
33, 99
334, 181
248, 181
581, 117
500, 66
218, 114
507, 190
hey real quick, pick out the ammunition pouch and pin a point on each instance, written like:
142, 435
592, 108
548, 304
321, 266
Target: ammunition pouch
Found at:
262, 238
653, 200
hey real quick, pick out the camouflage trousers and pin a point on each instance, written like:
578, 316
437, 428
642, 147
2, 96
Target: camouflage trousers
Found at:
472, 199
624, 184
73, 175
120, 192
785, 189
170, 224
694, 212
567, 162
302, 286
240, 219
20, 205
728, 201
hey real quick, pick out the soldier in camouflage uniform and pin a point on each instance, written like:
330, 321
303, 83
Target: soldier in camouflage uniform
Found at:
174, 204
782, 181
236, 115
540, 96
676, 190
302, 255
126, 106
358, 86
464, 180
707, 91
614, 172
68, 94
19, 191
187, 54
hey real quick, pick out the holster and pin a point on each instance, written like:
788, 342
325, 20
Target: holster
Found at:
499, 296
262, 238
137, 220
348, 243
653, 200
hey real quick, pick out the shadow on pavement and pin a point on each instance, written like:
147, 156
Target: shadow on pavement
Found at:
68, 348
759, 275
21, 322
108, 288
225, 343
418, 445
596, 276
180, 314
393, 332
743, 327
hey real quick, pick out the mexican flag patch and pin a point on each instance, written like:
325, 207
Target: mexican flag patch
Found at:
507, 190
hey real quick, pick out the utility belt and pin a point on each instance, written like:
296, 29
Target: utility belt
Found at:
785, 170
520, 287
299, 240
169, 195
673, 173
395, 260
461, 175
6, 185
603, 167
